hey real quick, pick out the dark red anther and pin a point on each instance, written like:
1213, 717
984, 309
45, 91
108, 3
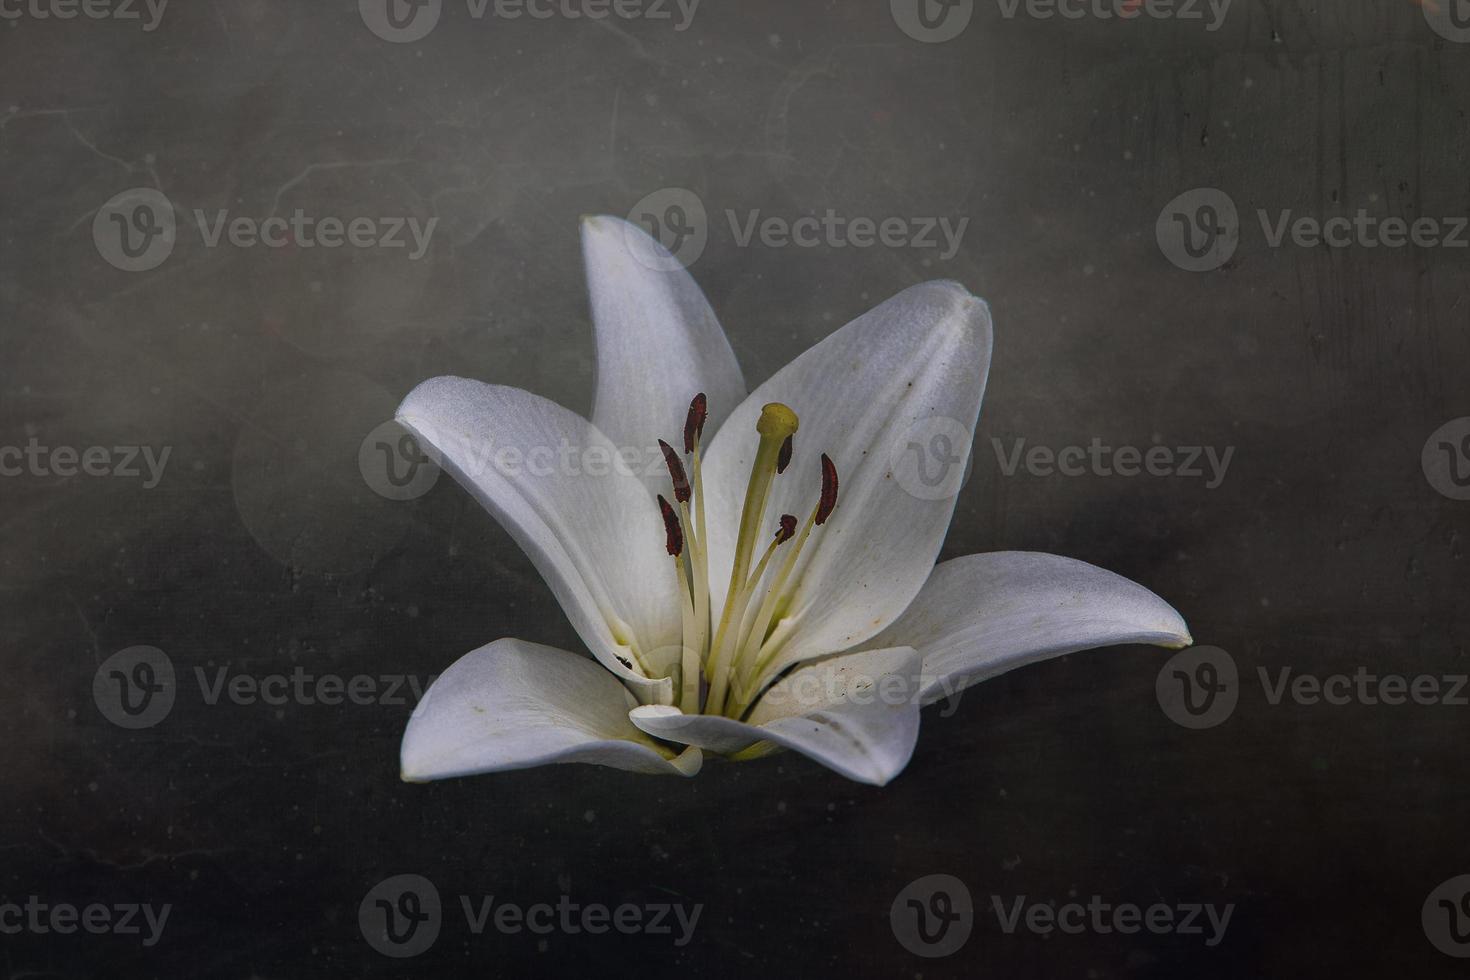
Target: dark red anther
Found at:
829, 490
674, 534
787, 530
676, 472
694, 423
783, 458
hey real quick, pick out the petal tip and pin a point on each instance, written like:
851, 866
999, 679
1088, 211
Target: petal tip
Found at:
596, 225
967, 313
410, 763
878, 775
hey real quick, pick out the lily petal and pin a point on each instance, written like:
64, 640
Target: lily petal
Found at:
908, 370
658, 341
586, 521
982, 615
857, 714
513, 705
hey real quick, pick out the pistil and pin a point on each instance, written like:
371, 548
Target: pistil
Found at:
776, 424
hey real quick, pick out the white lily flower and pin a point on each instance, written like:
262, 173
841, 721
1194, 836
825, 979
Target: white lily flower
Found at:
770, 605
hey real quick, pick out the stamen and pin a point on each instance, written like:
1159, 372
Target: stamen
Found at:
691, 642
829, 490
750, 633
674, 534
694, 422
698, 548
676, 472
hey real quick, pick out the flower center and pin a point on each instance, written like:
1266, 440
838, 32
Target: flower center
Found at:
724, 660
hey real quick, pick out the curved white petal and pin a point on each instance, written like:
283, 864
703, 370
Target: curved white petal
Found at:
513, 705
586, 521
857, 714
874, 396
982, 615
658, 342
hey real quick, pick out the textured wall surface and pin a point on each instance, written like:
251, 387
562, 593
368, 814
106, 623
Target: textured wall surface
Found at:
1115, 187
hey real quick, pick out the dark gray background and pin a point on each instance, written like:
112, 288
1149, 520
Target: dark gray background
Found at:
1325, 548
